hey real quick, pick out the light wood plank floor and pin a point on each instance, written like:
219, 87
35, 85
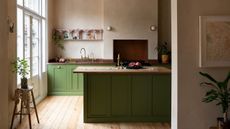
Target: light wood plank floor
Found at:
66, 112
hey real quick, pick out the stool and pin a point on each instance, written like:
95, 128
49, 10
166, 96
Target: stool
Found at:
23, 96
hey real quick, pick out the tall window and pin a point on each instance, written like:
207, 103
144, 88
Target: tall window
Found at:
31, 36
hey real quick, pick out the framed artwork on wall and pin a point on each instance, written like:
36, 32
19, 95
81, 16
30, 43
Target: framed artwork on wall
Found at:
214, 41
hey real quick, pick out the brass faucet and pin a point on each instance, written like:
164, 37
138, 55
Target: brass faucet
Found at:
118, 59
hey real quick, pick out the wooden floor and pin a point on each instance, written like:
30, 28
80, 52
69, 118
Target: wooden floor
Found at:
66, 112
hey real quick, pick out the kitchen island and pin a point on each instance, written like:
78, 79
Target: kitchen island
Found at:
112, 94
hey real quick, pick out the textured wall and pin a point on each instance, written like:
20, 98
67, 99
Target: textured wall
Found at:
51, 50
164, 21
3, 65
193, 114
129, 22
12, 49
73, 14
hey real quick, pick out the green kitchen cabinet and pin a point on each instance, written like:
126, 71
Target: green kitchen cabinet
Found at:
120, 95
162, 96
62, 80
141, 95
75, 86
115, 97
99, 96
57, 79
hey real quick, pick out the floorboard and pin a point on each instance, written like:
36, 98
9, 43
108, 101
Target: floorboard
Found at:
66, 112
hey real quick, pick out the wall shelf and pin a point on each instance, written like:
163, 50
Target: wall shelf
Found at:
79, 34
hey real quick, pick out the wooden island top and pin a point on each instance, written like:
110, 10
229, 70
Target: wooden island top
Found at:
113, 69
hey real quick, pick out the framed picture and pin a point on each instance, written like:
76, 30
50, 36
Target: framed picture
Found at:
214, 41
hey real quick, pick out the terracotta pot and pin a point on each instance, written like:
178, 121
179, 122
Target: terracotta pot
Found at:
165, 59
24, 84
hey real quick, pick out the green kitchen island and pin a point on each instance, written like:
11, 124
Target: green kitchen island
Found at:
126, 95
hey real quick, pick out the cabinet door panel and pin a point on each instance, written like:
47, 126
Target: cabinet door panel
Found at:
98, 95
80, 81
59, 78
162, 96
141, 95
50, 78
121, 95
75, 79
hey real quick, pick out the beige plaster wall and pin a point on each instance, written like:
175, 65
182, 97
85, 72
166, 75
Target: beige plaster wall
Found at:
3, 65
193, 114
129, 22
73, 14
130, 19
12, 52
51, 50
164, 22
8, 45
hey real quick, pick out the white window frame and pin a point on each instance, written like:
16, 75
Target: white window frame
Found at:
43, 56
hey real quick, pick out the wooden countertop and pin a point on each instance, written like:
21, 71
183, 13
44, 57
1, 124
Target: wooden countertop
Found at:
113, 69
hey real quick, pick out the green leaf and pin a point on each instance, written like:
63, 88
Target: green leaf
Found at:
208, 76
211, 85
21, 67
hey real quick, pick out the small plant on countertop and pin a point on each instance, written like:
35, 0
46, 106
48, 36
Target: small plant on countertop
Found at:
218, 91
163, 51
58, 39
21, 67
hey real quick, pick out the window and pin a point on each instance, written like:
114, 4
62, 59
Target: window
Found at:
31, 37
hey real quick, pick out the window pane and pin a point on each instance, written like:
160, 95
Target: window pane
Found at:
43, 8
35, 28
27, 36
35, 66
43, 46
20, 2
18, 79
33, 5
28, 61
19, 33
35, 47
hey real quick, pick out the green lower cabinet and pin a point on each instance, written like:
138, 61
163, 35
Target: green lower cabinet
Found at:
162, 97
99, 96
141, 95
57, 78
75, 86
127, 97
62, 80
120, 95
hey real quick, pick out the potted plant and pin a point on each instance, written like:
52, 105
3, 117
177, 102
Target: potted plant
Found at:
219, 92
58, 38
163, 52
21, 67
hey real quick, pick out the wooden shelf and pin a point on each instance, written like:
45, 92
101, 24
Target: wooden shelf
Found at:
79, 34
83, 40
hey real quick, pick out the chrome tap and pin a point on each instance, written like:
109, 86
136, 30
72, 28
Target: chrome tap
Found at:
84, 56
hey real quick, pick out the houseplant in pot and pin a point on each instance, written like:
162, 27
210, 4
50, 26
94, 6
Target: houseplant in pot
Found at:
220, 92
22, 68
58, 38
163, 52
